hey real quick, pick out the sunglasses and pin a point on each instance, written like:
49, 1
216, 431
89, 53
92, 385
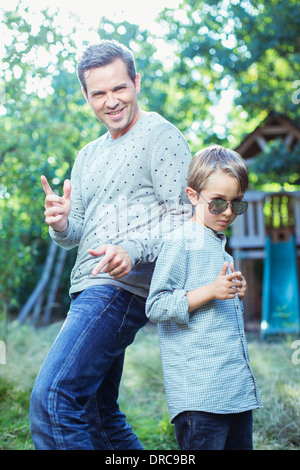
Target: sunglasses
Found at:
217, 206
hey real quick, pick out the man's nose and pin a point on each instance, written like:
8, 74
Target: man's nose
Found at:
111, 100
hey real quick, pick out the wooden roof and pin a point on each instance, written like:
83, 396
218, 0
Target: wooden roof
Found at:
273, 127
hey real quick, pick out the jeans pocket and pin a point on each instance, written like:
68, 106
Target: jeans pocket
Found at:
134, 319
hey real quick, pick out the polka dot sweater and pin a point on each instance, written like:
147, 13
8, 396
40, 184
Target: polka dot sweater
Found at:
131, 192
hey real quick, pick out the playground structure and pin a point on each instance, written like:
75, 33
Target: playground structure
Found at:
270, 233
270, 230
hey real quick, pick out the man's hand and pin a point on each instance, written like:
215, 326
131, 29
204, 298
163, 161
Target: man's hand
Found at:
116, 261
57, 209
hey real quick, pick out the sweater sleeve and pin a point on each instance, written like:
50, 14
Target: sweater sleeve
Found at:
170, 158
167, 301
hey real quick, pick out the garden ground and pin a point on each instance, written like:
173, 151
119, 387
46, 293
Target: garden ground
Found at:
142, 397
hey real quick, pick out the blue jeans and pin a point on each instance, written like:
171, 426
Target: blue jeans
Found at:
198, 430
74, 401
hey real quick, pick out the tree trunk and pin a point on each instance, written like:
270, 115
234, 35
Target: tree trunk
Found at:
41, 285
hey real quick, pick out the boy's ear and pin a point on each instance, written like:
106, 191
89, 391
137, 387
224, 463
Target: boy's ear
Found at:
192, 195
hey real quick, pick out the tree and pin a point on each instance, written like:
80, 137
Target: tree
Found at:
252, 46
44, 123
37, 136
248, 46
277, 163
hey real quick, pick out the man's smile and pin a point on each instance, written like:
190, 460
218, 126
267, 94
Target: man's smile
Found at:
116, 112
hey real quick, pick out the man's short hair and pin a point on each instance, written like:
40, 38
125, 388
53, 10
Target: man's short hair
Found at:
104, 53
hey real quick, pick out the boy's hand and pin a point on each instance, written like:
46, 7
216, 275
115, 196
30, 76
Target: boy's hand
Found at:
242, 289
57, 209
223, 288
227, 285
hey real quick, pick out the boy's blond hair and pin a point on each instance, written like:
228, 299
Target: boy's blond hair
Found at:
210, 159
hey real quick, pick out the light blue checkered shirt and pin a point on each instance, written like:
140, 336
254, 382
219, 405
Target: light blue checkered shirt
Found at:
204, 354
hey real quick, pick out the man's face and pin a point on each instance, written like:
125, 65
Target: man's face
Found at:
113, 96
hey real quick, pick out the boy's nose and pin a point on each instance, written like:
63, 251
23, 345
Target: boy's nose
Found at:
228, 210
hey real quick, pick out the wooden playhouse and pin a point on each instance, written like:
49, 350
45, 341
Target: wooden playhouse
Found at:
265, 241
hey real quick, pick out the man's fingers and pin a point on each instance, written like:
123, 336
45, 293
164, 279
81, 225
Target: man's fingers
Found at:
67, 189
99, 251
53, 198
53, 219
55, 210
46, 186
105, 260
116, 261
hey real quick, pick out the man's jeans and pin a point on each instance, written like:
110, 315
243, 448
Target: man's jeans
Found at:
74, 400
198, 430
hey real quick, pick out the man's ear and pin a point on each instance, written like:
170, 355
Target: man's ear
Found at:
137, 83
193, 195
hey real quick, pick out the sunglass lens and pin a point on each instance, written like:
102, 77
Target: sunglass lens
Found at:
217, 206
239, 207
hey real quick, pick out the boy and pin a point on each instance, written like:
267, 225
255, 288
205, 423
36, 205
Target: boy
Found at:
195, 297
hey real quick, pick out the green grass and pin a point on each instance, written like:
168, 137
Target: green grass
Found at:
26, 349
142, 397
276, 426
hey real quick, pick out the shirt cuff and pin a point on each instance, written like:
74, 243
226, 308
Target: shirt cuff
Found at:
57, 236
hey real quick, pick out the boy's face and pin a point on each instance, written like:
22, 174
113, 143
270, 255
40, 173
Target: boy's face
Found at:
219, 186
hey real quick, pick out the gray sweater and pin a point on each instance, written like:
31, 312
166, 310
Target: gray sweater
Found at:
129, 192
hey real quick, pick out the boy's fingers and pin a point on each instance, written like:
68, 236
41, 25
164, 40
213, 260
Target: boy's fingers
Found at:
235, 275
224, 269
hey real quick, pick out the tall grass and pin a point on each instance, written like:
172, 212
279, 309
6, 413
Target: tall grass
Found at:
142, 397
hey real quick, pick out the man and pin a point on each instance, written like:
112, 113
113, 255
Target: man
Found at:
125, 195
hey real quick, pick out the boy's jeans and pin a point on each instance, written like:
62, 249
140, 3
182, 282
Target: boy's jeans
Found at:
74, 401
198, 430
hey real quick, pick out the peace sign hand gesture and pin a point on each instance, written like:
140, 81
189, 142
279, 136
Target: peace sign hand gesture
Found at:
57, 209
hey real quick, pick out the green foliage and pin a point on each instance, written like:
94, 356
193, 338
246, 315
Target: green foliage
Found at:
250, 47
37, 136
278, 163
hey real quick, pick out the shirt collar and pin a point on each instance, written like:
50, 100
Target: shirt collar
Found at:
197, 229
